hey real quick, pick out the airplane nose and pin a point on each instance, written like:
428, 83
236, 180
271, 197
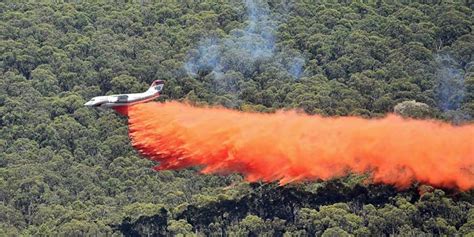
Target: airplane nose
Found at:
88, 103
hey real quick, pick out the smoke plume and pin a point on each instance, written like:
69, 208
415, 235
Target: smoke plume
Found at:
244, 49
289, 147
450, 88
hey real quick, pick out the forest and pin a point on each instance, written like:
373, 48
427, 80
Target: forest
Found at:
69, 170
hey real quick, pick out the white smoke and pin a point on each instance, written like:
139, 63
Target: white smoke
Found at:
450, 88
244, 49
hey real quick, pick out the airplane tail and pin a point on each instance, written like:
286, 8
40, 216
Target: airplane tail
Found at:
157, 86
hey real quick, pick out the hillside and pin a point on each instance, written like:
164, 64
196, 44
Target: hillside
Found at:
70, 170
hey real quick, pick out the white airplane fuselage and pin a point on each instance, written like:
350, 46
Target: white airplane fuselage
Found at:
110, 101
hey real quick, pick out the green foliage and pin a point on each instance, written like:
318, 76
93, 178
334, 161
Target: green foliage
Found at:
66, 170
179, 228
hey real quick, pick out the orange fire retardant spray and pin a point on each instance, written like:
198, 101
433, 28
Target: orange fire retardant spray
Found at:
287, 146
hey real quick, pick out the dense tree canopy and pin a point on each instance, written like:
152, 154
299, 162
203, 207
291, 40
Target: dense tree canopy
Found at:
70, 170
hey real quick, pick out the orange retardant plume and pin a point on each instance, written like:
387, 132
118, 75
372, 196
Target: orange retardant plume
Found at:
288, 146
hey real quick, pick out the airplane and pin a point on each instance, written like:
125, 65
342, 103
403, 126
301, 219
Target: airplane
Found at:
111, 101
